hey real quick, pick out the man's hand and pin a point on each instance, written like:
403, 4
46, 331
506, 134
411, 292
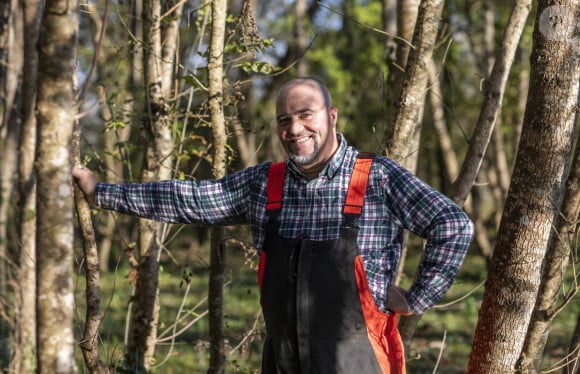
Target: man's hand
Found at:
86, 181
397, 300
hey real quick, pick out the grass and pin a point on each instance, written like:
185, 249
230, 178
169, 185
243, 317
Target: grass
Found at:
442, 340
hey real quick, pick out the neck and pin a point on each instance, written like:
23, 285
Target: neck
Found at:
314, 172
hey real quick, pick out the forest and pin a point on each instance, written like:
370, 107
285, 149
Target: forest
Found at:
479, 98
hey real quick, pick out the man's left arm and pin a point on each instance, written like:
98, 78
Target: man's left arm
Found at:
448, 239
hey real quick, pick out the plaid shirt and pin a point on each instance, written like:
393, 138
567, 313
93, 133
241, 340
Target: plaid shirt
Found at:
312, 209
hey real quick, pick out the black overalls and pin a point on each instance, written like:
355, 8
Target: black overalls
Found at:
320, 315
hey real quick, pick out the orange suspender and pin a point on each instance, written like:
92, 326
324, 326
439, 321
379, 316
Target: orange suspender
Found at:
275, 185
354, 196
358, 184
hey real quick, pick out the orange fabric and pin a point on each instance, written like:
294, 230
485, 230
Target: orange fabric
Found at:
381, 327
357, 186
275, 185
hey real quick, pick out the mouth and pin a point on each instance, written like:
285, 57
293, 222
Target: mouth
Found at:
300, 139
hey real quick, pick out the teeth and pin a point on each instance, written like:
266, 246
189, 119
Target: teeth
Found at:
301, 140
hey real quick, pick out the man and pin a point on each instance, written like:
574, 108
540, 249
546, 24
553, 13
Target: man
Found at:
329, 227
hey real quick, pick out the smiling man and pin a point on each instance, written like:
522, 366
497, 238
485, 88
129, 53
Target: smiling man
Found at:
307, 124
328, 225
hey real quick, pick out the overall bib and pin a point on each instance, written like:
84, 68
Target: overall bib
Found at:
319, 312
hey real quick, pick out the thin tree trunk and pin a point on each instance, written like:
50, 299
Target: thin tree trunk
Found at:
494, 88
449, 156
90, 339
90, 342
401, 142
159, 59
55, 234
218, 253
403, 139
555, 265
573, 360
405, 24
389, 20
25, 331
532, 206
524, 78
300, 9
246, 138
11, 47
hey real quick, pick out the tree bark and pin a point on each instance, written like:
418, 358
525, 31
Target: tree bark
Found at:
494, 88
534, 199
159, 60
573, 360
555, 265
90, 340
11, 50
55, 235
403, 140
218, 253
25, 308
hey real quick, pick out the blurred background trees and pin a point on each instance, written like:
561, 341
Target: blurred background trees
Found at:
458, 70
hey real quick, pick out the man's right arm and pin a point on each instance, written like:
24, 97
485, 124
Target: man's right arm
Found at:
226, 201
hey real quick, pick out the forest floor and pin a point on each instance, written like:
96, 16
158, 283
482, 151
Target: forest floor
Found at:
441, 344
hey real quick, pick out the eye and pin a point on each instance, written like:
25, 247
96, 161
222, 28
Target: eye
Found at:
306, 116
283, 121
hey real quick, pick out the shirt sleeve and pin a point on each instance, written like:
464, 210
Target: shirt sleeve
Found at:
448, 239
209, 202
448, 232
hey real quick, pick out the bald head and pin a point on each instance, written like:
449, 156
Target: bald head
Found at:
313, 82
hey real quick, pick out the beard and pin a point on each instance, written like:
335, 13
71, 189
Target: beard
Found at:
304, 159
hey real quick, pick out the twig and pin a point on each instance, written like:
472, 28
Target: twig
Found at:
440, 351
573, 356
441, 306
248, 334
366, 26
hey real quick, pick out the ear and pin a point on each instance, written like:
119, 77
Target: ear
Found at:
333, 115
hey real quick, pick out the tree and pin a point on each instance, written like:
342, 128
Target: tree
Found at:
10, 91
54, 234
548, 303
403, 137
535, 194
494, 88
160, 36
25, 309
218, 253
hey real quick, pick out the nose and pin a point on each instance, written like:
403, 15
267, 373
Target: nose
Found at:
295, 125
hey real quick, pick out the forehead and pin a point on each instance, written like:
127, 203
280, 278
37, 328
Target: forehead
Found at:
299, 95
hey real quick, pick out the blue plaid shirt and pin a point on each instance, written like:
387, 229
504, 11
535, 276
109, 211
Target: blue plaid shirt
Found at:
395, 200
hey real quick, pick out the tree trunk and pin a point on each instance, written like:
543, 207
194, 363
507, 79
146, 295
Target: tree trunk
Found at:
494, 88
159, 60
555, 265
405, 24
218, 253
534, 199
300, 40
403, 140
573, 360
11, 49
25, 315
389, 20
55, 234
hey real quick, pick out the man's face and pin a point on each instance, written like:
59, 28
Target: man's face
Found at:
306, 126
